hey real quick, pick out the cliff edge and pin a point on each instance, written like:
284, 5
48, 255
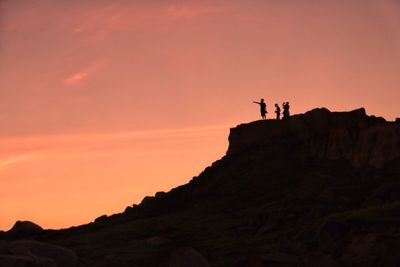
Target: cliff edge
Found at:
361, 139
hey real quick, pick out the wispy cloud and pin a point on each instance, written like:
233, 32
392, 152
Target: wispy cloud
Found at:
189, 11
13, 160
96, 24
26, 146
19, 149
104, 136
78, 76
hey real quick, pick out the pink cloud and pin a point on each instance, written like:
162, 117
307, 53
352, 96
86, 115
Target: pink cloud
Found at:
82, 74
96, 24
13, 160
74, 78
189, 11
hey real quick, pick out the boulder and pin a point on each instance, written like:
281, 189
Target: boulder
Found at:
185, 257
41, 254
24, 228
23, 261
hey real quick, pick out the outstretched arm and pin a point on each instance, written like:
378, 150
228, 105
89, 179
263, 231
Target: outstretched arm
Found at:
256, 102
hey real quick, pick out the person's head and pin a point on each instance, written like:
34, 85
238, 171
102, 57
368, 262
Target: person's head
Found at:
262, 100
276, 105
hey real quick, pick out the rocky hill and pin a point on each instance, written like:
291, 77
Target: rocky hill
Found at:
318, 189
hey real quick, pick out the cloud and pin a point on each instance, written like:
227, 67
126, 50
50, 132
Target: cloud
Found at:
41, 142
74, 78
97, 24
54, 146
13, 160
189, 11
82, 74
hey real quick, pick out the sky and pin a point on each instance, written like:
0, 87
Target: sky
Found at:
104, 102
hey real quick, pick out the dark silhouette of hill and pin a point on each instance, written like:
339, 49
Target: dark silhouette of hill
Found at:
318, 189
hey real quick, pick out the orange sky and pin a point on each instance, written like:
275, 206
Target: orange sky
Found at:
104, 102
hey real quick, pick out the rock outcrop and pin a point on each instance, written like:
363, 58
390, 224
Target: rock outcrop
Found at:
23, 229
361, 139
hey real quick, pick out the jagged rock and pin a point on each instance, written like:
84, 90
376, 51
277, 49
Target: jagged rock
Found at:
24, 228
150, 199
101, 219
131, 208
128, 209
38, 254
160, 194
185, 257
147, 200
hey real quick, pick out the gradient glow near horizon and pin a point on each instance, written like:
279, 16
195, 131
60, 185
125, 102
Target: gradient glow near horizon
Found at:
104, 102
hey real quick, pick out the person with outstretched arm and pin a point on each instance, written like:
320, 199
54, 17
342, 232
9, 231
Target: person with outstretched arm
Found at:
277, 112
263, 108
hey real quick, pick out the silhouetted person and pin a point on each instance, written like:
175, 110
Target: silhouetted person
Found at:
286, 112
263, 108
277, 112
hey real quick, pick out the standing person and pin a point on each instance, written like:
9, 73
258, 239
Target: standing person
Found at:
286, 112
277, 112
263, 108
287, 109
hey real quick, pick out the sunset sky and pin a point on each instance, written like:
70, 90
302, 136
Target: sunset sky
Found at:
103, 102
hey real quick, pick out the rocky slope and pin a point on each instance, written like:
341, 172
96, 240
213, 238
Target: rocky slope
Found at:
321, 188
